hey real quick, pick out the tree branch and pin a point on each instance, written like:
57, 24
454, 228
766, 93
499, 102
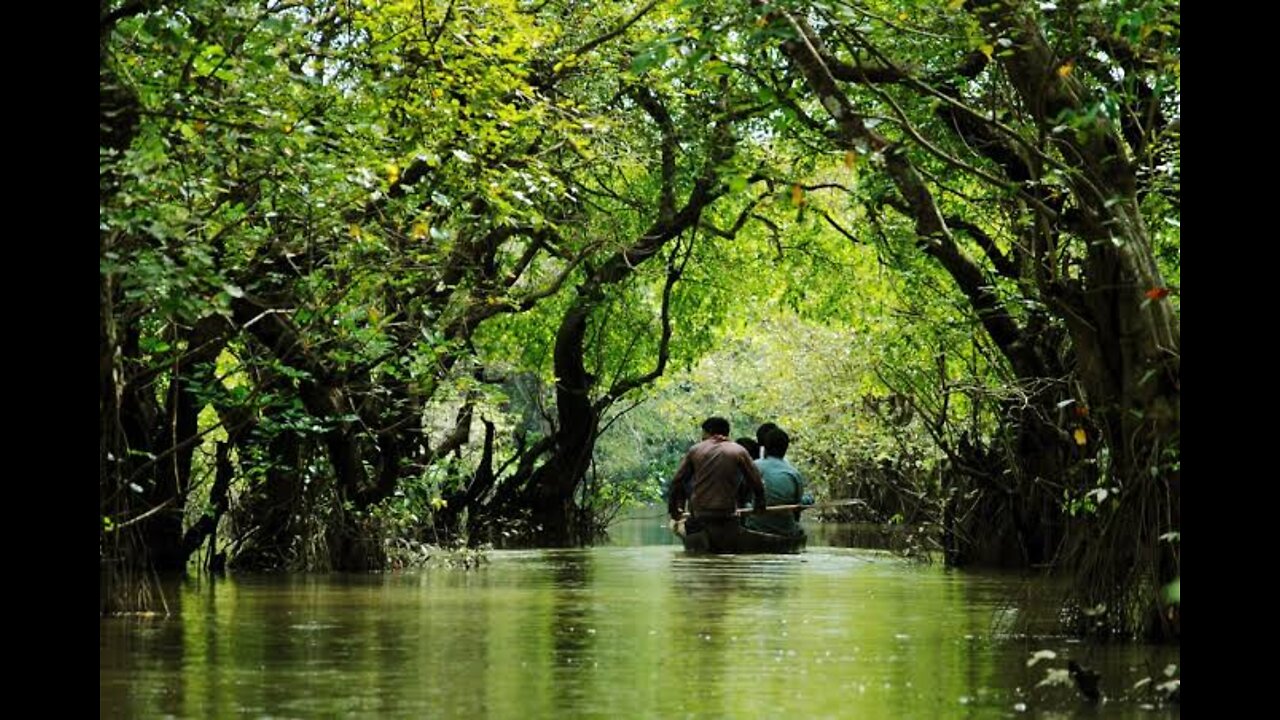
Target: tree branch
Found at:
597, 42
1002, 263
656, 110
664, 343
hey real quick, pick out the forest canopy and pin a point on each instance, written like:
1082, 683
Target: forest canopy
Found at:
443, 271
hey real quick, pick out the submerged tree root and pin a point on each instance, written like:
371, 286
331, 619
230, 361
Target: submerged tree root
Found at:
403, 553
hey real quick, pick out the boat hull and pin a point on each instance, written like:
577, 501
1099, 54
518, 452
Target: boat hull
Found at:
738, 540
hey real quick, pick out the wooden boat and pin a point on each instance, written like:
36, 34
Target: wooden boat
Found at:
734, 539
742, 541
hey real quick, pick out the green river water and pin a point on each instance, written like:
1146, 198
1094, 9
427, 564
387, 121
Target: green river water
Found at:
634, 629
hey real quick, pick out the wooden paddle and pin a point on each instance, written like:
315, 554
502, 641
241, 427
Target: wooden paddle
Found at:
821, 505
791, 508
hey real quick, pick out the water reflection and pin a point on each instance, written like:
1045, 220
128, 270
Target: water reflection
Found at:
572, 629
620, 631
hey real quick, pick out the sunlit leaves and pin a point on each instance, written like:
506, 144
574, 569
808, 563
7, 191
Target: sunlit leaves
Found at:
797, 195
655, 53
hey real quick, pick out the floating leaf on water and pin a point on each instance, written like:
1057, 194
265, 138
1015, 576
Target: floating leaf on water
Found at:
1039, 655
1056, 677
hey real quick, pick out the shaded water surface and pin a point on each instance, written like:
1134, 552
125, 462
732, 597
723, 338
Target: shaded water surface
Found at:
621, 631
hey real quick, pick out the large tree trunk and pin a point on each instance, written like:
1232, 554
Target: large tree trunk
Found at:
553, 484
1124, 330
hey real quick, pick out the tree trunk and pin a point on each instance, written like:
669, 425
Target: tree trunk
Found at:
553, 484
175, 443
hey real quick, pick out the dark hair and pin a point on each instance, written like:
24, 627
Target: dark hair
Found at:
752, 446
715, 426
763, 430
776, 442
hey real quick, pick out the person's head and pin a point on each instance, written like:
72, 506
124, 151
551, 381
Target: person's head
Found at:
776, 442
715, 426
764, 430
753, 447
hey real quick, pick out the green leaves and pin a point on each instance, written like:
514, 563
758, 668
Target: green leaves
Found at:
652, 54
